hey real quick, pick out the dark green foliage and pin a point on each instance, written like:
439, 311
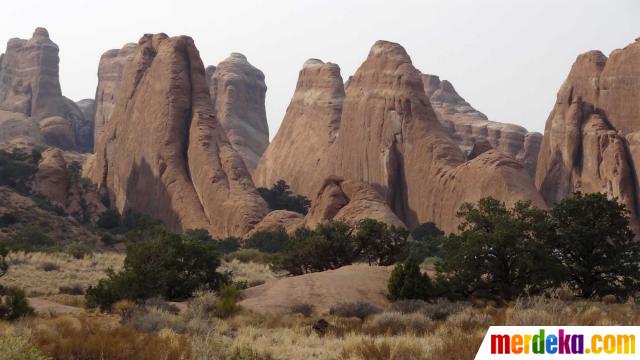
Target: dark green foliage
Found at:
382, 243
499, 252
7, 220
249, 255
268, 241
198, 235
228, 245
426, 242
110, 219
595, 245
358, 309
46, 205
160, 264
408, 282
4, 266
279, 197
78, 250
330, 246
18, 168
30, 239
13, 304
227, 301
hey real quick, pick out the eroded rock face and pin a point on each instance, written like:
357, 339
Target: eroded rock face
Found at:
349, 201
238, 92
290, 221
84, 128
164, 153
384, 132
468, 126
309, 128
29, 85
591, 137
111, 71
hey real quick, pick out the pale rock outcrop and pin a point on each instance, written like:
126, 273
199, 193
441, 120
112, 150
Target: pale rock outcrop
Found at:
384, 132
164, 153
591, 136
468, 126
349, 201
111, 70
29, 85
290, 221
238, 91
310, 126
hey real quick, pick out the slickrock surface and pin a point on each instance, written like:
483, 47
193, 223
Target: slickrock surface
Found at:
468, 126
308, 129
322, 289
289, 220
350, 201
29, 85
164, 153
238, 92
591, 136
111, 71
383, 131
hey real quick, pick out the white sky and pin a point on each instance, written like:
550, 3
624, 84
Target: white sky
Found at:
508, 58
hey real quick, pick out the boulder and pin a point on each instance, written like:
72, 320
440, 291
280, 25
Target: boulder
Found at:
278, 219
238, 92
164, 153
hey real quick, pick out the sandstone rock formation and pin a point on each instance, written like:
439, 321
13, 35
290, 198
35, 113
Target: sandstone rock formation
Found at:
84, 128
468, 126
238, 92
310, 126
29, 86
591, 136
383, 131
111, 70
58, 180
349, 201
164, 153
277, 219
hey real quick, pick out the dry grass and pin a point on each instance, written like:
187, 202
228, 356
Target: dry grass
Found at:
253, 273
29, 271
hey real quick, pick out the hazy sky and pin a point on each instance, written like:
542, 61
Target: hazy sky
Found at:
506, 57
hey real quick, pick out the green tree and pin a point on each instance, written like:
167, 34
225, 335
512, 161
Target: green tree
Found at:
268, 241
426, 241
167, 265
279, 197
499, 251
595, 244
408, 282
380, 242
330, 246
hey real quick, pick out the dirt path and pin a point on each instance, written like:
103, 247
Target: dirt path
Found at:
46, 307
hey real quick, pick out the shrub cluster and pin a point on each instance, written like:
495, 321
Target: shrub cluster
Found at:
17, 169
279, 197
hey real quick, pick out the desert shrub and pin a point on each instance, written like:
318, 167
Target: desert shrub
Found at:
124, 308
303, 309
110, 219
279, 197
18, 347
595, 245
46, 205
17, 169
228, 245
78, 250
13, 304
201, 305
358, 309
383, 349
249, 255
4, 265
395, 323
151, 319
330, 246
227, 302
7, 219
268, 241
169, 266
48, 266
75, 289
426, 242
66, 337
382, 243
408, 282
30, 238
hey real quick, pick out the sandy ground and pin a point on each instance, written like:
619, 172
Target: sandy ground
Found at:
324, 289
46, 307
